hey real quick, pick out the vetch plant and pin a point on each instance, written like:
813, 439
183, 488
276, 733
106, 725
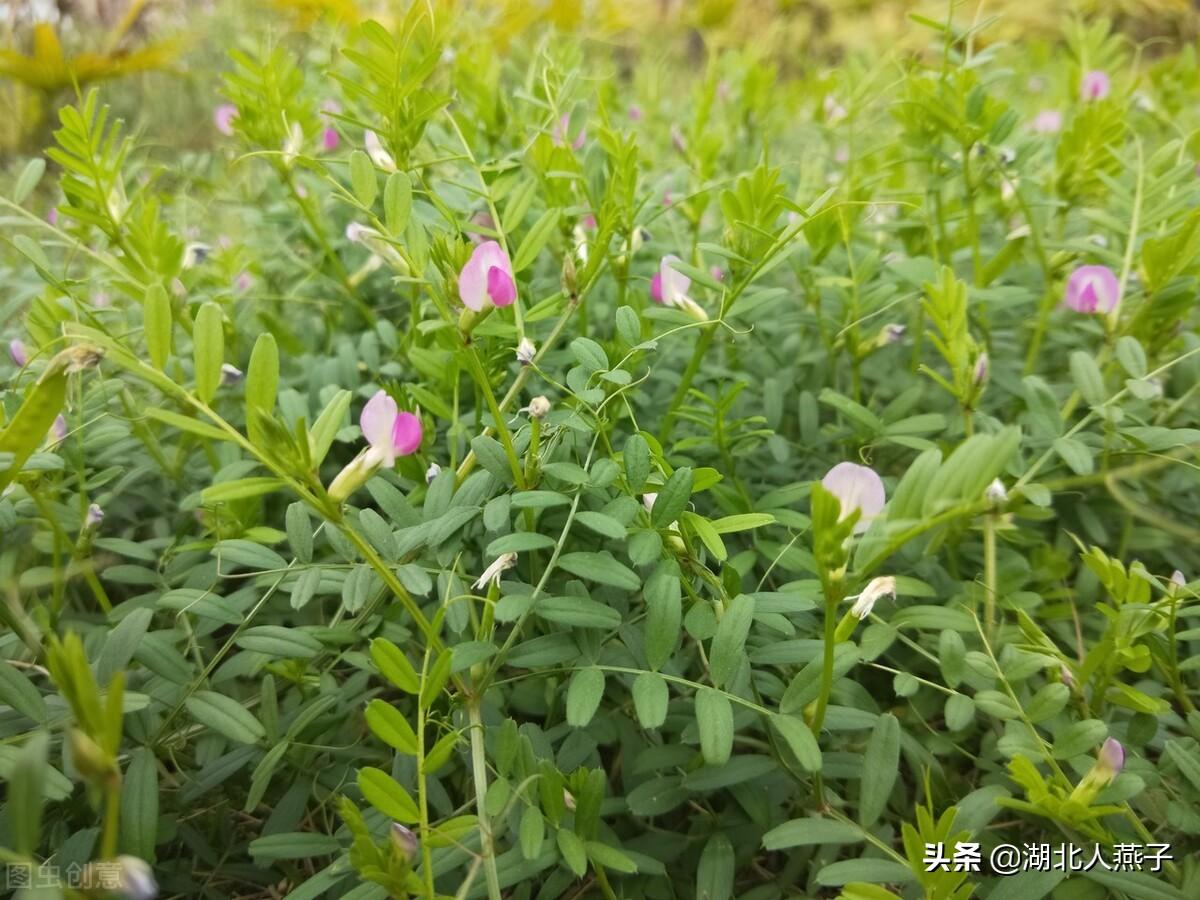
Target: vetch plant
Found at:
552, 456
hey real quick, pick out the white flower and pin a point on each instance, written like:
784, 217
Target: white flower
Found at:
432, 472
856, 487
648, 501
379, 156
95, 515
581, 245
231, 374
876, 588
491, 575
996, 492
194, 254
526, 351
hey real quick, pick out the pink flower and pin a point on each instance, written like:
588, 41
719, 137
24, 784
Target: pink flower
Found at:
487, 278
58, 431
1048, 121
52, 215
589, 222
1095, 85
678, 140
717, 272
330, 139
856, 487
223, 117
561, 133
669, 284
16, 349
1093, 289
834, 111
244, 282
635, 113
481, 220
389, 432
669, 287
668, 198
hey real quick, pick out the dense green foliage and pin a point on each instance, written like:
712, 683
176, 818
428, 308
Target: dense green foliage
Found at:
623, 646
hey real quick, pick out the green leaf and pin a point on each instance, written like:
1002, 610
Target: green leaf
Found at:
535, 240
519, 542
19, 692
572, 851
714, 875
714, 718
799, 739
664, 615
610, 858
293, 845
707, 534
391, 727
208, 351
328, 424
299, 532
583, 696
26, 787
589, 354
362, 178
262, 384
156, 317
139, 805
605, 526
728, 646
385, 794
28, 179
637, 462
810, 832
28, 427
742, 522
532, 832
188, 424
650, 699
239, 489
394, 665
397, 202
600, 568
1186, 762
880, 767
225, 716
578, 612
491, 455
1075, 454
672, 498
1088, 379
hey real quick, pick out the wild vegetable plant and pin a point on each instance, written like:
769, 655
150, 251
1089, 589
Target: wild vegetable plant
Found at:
503, 466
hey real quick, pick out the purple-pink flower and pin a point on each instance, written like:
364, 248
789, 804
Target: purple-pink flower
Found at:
856, 487
58, 431
1093, 289
16, 349
1048, 121
635, 113
561, 133
487, 278
389, 432
223, 117
1095, 85
670, 287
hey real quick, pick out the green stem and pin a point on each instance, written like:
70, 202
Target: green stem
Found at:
685, 382
112, 818
989, 575
479, 776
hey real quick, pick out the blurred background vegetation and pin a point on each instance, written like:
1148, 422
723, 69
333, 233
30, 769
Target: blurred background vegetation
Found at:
168, 52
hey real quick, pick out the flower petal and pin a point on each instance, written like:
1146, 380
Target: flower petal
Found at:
500, 287
674, 283
407, 433
473, 279
378, 419
856, 487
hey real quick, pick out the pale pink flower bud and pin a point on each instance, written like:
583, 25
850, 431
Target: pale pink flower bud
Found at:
223, 117
1095, 85
16, 349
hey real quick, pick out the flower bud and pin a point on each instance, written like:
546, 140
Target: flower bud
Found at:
538, 408
16, 349
90, 759
995, 492
1111, 760
432, 472
136, 879
352, 477
403, 841
526, 351
230, 374
95, 515
980, 375
570, 279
